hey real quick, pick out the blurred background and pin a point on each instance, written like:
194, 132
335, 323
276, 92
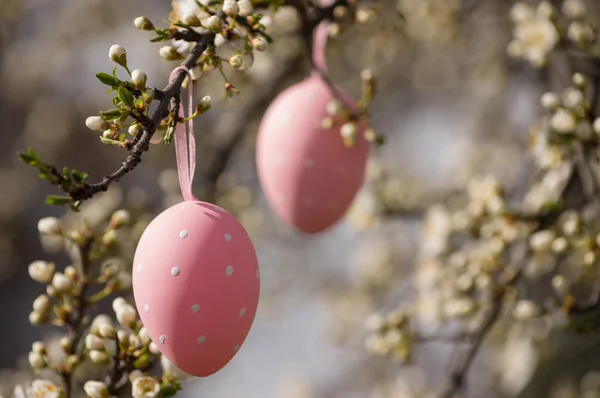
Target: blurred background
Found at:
450, 103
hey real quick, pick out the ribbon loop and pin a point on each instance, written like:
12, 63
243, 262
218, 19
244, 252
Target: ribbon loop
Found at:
185, 143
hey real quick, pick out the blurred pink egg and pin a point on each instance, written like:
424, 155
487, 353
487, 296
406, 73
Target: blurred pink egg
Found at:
309, 177
196, 285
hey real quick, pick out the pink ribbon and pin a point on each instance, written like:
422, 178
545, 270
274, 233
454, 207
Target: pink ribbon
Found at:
320, 46
185, 143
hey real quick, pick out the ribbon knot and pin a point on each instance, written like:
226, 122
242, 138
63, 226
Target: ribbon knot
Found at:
185, 143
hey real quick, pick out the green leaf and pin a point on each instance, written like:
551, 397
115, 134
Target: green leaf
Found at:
27, 158
57, 200
116, 101
125, 96
170, 388
115, 73
157, 39
107, 79
110, 114
122, 137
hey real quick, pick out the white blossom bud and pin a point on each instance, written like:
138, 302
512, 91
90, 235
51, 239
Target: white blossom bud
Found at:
579, 80
573, 98
126, 315
109, 237
169, 53
36, 360
153, 348
541, 240
191, 19
71, 272
143, 23
123, 335
49, 226
139, 79
145, 387
196, 72
149, 95
98, 356
134, 129
41, 271
95, 389
561, 285
120, 218
236, 61
98, 321
574, 9
245, 8
35, 318
563, 121
525, 309
65, 343
596, 126
144, 336
219, 40
135, 374
96, 123
581, 33
260, 43
334, 107
550, 101
60, 282
93, 342
559, 245
38, 347
230, 8
106, 330
375, 322
213, 23
108, 133
118, 302
348, 133
117, 54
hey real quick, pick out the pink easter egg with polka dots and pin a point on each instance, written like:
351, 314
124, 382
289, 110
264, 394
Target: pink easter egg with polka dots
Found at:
307, 174
196, 285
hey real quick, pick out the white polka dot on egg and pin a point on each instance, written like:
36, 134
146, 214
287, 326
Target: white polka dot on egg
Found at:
201, 339
242, 312
195, 308
146, 307
183, 234
228, 237
229, 270
237, 347
162, 339
175, 271
139, 267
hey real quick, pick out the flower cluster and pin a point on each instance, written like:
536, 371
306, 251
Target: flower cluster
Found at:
535, 32
122, 349
391, 335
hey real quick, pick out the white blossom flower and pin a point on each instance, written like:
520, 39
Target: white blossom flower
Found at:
536, 32
95, 389
38, 347
219, 40
525, 309
144, 336
574, 9
49, 226
41, 271
550, 101
45, 389
145, 387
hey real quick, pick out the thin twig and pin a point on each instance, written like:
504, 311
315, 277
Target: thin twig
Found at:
149, 125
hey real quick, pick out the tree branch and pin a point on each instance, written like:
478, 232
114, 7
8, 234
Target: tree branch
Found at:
149, 125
